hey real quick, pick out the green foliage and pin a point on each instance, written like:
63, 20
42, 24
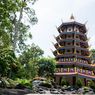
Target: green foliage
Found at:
28, 71
32, 53
29, 59
24, 82
64, 82
46, 67
13, 30
7, 82
79, 83
8, 63
91, 84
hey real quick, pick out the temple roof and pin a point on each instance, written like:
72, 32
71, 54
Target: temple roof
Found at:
71, 23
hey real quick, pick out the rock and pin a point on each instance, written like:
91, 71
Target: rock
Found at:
20, 86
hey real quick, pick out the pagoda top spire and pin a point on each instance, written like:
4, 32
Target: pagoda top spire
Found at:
72, 18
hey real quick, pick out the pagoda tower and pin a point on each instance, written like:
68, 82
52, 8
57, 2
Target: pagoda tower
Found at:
72, 53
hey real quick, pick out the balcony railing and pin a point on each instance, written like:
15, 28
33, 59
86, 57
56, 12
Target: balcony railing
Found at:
72, 60
76, 70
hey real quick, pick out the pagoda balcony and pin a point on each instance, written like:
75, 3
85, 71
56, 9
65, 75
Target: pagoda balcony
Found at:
72, 55
70, 60
75, 71
72, 47
73, 32
73, 40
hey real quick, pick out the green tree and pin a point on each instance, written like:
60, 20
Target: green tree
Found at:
31, 53
29, 59
12, 13
8, 63
46, 67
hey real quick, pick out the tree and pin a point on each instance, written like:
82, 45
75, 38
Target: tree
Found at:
29, 59
8, 63
11, 21
31, 53
46, 67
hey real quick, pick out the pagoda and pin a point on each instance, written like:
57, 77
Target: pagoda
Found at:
72, 53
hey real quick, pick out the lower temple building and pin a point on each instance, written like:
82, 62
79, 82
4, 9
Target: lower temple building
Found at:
72, 53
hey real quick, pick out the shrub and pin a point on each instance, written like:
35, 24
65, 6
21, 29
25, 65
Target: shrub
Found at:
92, 84
23, 83
64, 82
79, 83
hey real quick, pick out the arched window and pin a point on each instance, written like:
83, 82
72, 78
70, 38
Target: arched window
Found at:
76, 29
69, 29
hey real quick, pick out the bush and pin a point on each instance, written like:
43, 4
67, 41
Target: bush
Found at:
92, 84
64, 82
79, 83
23, 83
7, 83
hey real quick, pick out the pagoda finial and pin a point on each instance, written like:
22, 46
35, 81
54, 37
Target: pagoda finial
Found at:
72, 17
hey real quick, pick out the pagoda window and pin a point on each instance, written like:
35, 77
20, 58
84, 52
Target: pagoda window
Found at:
69, 29
66, 59
89, 72
68, 44
83, 71
79, 70
64, 30
71, 59
69, 36
65, 69
77, 44
78, 51
59, 60
77, 36
68, 50
62, 59
76, 29
71, 70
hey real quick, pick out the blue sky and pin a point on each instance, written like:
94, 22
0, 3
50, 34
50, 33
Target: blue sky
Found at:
51, 13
